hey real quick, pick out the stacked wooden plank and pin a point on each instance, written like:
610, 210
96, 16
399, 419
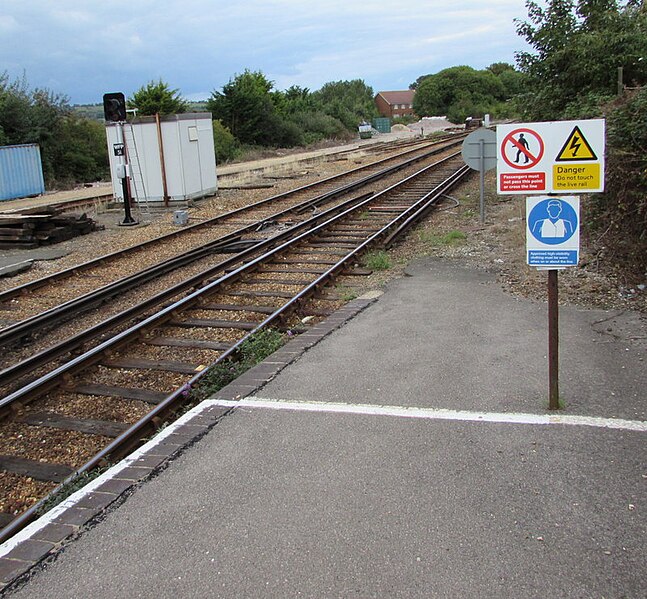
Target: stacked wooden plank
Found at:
43, 228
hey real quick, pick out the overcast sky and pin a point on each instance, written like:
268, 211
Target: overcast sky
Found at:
85, 48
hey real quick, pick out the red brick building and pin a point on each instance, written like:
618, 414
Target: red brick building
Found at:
394, 104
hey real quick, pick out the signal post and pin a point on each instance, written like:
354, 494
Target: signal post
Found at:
114, 111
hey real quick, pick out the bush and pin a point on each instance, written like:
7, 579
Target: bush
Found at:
378, 260
317, 126
618, 217
225, 144
252, 351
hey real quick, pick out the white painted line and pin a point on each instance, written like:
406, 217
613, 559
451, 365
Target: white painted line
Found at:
109, 474
435, 413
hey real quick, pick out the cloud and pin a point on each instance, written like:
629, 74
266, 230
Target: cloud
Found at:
84, 49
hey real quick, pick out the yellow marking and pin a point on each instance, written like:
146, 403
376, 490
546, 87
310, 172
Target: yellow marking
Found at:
576, 148
580, 177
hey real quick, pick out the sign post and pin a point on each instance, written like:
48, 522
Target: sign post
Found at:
479, 153
114, 111
553, 243
551, 158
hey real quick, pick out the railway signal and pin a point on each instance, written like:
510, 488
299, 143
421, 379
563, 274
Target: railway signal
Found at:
114, 111
114, 107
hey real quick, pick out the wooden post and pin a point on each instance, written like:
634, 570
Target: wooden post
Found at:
553, 341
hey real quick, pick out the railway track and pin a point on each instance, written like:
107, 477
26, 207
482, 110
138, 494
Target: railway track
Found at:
135, 378
23, 352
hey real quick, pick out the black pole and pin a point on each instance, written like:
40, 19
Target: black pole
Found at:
128, 219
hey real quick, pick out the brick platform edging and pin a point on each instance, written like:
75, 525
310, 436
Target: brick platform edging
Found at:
46, 536
257, 377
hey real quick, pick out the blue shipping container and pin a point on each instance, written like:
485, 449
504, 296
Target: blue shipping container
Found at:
21, 172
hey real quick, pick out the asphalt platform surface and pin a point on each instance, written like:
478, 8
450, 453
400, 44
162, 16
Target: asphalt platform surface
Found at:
362, 486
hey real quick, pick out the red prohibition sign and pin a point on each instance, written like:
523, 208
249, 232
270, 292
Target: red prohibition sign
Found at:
523, 151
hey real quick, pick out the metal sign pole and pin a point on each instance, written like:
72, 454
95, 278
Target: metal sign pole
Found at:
479, 153
128, 218
553, 341
482, 178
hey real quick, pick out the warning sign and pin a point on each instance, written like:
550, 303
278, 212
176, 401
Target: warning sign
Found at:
551, 157
525, 182
522, 148
576, 148
582, 176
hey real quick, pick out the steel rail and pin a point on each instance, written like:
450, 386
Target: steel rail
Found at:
51, 379
58, 313
68, 272
167, 405
16, 371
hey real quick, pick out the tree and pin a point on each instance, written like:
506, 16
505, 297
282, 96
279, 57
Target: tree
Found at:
247, 106
244, 106
619, 215
577, 49
157, 98
351, 102
72, 149
458, 92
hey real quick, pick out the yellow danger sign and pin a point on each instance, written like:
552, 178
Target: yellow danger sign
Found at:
581, 177
576, 148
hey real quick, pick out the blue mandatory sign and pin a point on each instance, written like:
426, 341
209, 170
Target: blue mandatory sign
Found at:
552, 221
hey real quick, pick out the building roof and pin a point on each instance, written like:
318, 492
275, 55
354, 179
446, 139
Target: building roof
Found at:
398, 97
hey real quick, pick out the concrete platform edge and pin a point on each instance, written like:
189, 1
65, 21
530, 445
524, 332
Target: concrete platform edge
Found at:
45, 537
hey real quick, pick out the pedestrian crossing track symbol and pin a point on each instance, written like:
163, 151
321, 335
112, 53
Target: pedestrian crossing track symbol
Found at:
551, 157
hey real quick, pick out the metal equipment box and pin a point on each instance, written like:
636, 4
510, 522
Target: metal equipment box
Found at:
171, 160
21, 172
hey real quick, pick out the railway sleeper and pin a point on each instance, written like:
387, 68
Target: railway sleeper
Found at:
294, 282
43, 471
190, 323
143, 364
145, 395
104, 428
189, 343
239, 308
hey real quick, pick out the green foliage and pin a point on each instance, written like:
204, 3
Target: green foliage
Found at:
577, 49
346, 294
252, 351
459, 92
256, 114
317, 126
82, 150
350, 102
69, 488
245, 107
226, 146
157, 98
378, 260
436, 239
73, 149
404, 120
618, 217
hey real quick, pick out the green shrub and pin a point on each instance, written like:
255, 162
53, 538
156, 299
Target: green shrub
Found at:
252, 351
378, 260
618, 217
225, 144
